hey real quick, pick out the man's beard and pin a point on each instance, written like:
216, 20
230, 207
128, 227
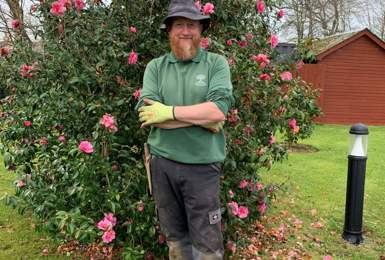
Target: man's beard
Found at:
185, 52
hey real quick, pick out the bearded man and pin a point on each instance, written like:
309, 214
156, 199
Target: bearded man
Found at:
185, 99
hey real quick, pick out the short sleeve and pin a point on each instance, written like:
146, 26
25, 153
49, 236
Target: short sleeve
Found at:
150, 84
220, 87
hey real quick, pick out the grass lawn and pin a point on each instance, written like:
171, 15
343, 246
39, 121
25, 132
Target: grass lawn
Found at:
18, 240
317, 181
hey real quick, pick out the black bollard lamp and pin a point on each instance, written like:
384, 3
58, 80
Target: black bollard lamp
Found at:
358, 147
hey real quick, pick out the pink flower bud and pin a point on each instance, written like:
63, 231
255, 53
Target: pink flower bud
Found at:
133, 58
15, 24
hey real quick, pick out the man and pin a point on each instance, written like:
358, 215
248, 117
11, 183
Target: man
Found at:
185, 98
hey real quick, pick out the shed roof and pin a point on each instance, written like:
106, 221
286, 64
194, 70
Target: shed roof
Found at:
325, 46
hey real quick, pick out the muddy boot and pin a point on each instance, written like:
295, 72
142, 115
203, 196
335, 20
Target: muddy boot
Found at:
199, 255
180, 250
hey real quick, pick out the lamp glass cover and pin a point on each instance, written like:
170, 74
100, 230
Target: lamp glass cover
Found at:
358, 145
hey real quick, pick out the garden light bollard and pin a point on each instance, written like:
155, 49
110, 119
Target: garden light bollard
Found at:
355, 184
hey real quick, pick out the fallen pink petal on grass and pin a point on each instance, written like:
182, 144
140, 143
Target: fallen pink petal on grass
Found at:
317, 225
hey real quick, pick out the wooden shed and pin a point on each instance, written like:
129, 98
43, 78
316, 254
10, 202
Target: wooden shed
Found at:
350, 74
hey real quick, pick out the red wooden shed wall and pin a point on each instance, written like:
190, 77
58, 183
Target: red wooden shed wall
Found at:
352, 83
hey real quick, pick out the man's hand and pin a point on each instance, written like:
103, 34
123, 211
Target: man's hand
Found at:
154, 113
214, 127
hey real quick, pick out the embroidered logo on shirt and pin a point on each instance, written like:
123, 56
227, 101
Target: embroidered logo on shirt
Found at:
200, 80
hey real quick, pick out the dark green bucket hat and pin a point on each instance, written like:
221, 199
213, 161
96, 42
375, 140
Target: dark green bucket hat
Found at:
186, 9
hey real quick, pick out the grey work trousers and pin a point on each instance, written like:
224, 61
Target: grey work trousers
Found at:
187, 200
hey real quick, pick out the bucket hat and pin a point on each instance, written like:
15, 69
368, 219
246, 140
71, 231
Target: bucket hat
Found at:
186, 9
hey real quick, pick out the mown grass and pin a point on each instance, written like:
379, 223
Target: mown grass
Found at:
318, 181
18, 239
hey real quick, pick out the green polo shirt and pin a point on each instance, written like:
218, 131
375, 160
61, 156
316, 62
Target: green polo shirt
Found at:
176, 83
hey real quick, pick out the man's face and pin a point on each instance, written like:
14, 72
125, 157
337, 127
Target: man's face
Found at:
185, 35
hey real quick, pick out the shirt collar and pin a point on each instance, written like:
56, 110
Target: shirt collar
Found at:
197, 58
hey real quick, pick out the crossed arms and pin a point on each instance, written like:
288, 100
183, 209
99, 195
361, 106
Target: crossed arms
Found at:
206, 114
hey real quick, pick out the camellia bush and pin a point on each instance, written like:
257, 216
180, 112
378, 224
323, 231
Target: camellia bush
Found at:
70, 133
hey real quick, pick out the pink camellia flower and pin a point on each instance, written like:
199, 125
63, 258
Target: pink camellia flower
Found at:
108, 236
137, 94
229, 42
61, 138
43, 141
15, 24
133, 29
260, 6
286, 75
242, 44
198, 4
208, 8
110, 217
243, 184
233, 207
271, 139
328, 257
231, 194
5, 51
27, 123
104, 225
58, 8
231, 246
259, 186
281, 13
249, 36
79, 5
20, 184
292, 123
133, 58
262, 208
25, 71
265, 76
262, 58
204, 43
86, 147
243, 212
108, 121
274, 41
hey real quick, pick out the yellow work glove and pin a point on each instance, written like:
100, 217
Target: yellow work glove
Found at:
155, 113
214, 127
